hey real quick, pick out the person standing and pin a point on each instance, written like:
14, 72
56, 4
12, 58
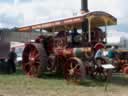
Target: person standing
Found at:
11, 61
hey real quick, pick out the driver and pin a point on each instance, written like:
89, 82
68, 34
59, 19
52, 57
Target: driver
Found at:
76, 37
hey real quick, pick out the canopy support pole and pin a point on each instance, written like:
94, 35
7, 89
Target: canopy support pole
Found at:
89, 28
106, 23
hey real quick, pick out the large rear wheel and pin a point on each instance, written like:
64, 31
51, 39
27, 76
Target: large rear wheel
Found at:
34, 59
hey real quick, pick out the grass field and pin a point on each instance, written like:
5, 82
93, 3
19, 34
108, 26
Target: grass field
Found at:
20, 85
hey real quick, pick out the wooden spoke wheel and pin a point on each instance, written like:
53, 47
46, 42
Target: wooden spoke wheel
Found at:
99, 72
33, 60
74, 70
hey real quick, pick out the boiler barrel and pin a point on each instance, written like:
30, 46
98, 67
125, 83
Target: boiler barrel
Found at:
69, 52
79, 52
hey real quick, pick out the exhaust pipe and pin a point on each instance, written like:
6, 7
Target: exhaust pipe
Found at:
84, 6
84, 9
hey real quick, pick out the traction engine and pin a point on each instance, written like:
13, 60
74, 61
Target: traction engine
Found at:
70, 50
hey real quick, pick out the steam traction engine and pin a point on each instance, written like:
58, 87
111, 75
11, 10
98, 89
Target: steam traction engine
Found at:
71, 48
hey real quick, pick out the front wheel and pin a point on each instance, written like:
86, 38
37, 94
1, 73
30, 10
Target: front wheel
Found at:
74, 70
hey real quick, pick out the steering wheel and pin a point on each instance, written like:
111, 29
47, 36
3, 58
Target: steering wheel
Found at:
77, 38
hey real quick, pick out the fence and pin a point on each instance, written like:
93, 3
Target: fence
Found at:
18, 36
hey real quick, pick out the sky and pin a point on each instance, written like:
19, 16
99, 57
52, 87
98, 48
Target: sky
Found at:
15, 13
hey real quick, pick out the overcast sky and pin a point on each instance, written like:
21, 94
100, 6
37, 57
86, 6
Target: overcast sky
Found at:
27, 12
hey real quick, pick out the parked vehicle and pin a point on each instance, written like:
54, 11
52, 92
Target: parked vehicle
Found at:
121, 60
4, 51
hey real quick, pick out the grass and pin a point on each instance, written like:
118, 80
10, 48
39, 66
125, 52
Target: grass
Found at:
50, 85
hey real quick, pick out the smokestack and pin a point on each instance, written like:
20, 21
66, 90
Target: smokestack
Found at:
84, 9
84, 6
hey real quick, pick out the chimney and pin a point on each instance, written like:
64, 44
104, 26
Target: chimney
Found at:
84, 9
84, 6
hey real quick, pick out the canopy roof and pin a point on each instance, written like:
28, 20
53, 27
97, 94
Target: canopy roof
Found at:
97, 18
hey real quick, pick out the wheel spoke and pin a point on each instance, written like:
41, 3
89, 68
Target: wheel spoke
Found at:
37, 62
71, 65
76, 66
33, 70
